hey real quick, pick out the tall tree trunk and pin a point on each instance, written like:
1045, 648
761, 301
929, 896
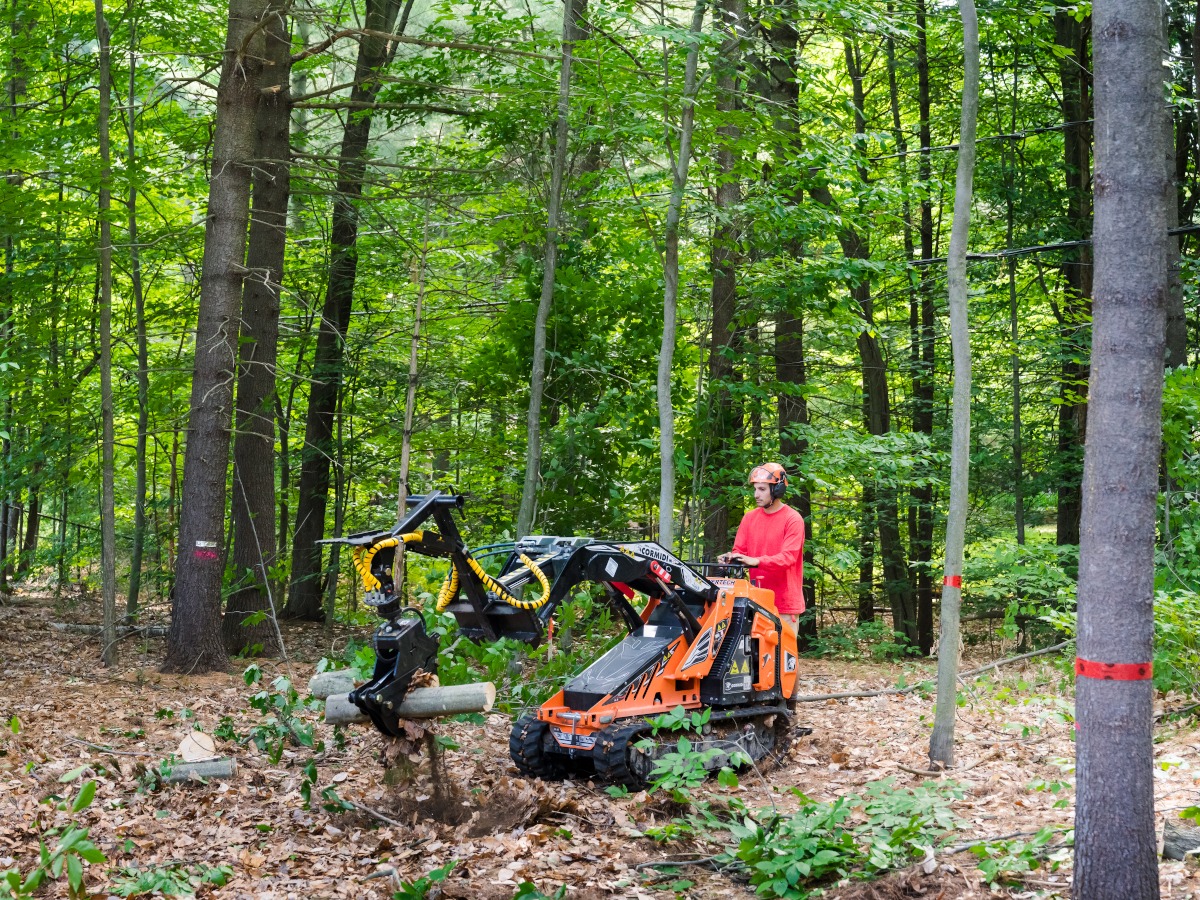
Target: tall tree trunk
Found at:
194, 642
1076, 309
537, 378
855, 246
680, 161
304, 598
923, 385
108, 542
722, 421
941, 741
1115, 847
923, 321
253, 508
139, 305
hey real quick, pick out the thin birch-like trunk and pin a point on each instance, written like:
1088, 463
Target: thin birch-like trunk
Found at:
139, 305
537, 378
666, 353
941, 742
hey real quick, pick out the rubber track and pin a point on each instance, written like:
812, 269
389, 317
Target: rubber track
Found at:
526, 746
611, 754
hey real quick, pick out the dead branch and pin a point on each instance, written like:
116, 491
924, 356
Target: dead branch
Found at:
885, 692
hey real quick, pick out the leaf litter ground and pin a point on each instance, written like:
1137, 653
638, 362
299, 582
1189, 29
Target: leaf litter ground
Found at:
79, 721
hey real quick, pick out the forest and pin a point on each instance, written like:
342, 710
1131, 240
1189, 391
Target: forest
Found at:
273, 266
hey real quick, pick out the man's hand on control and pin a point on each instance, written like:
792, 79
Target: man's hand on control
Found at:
748, 561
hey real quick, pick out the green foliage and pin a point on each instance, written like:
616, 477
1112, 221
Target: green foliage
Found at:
783, 854
1025, 582
527, 890
419, 889
168, 881
791, 855
71, 849
680, 771
1005, 862
873, 639
282, 715
1176, 637
359, 657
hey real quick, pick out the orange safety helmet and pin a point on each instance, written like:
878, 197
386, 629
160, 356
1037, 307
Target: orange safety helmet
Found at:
774, 475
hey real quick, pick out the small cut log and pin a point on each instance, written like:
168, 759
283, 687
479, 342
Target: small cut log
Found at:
421, 703
1180, 842
324, 685
222, 767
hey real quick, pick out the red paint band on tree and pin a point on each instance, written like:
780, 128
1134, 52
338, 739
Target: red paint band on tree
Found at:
1114, 671
954, 581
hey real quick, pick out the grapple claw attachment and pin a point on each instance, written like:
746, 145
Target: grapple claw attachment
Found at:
402, 649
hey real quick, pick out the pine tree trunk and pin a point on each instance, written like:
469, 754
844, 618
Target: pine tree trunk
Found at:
941, 742
1115, 846
537, 378
194, 643
253, 507
304, 598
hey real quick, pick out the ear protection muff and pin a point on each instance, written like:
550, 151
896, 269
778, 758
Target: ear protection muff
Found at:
779, 488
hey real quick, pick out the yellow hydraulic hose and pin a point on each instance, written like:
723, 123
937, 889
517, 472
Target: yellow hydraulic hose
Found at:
449, 589
502, 592
363, 562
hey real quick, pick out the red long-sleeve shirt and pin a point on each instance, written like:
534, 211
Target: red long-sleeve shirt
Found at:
777, 540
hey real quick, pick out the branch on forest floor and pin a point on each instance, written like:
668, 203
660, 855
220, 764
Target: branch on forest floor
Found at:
884, 692
122, 630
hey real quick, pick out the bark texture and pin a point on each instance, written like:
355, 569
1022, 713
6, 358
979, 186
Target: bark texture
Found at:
194, 643
941, 742
108, 539
1115, 847
253, 502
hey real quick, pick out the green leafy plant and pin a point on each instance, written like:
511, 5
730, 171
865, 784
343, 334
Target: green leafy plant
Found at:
168, 881
680, 771
1004, 862
783, 853
527, 890
419, 889
71, 849
282, 711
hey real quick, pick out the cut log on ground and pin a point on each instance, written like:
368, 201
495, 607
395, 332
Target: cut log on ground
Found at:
225, 767
421, 703
122, 630
324, 685
1180, 842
